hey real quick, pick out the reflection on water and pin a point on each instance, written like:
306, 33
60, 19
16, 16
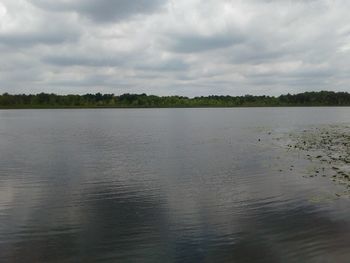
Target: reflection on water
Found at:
167, 185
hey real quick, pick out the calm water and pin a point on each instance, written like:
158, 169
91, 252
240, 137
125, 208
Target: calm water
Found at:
165, 185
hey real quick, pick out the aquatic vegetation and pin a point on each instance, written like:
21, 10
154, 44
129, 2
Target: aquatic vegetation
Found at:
328, 147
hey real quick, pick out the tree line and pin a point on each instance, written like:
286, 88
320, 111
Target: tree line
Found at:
45, 100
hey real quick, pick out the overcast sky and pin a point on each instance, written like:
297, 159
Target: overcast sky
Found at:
183, 47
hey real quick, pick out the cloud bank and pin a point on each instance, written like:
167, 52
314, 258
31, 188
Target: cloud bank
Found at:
184, 47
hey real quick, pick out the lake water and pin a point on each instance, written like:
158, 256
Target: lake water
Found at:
165, 185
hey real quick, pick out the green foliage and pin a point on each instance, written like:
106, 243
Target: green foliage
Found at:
44, 100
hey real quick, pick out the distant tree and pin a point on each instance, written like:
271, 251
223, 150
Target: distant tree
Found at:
326, 98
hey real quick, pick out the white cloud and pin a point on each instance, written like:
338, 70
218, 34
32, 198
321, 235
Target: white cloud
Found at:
185, 47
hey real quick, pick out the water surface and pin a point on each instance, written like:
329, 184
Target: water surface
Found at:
165, 185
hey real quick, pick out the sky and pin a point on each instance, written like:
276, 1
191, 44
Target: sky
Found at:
174, 47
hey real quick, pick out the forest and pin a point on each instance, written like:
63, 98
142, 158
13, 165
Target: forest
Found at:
98, 100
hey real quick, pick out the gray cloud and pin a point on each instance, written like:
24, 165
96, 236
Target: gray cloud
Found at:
102, 10
200, 43
67, 61
28, 39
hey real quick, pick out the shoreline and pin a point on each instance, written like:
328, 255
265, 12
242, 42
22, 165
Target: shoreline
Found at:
171, 107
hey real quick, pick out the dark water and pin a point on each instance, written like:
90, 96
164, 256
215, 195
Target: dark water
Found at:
165, 185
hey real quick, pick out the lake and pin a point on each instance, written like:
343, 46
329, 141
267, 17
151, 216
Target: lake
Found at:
166, 185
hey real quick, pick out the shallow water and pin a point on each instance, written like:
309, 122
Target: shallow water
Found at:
166, 185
